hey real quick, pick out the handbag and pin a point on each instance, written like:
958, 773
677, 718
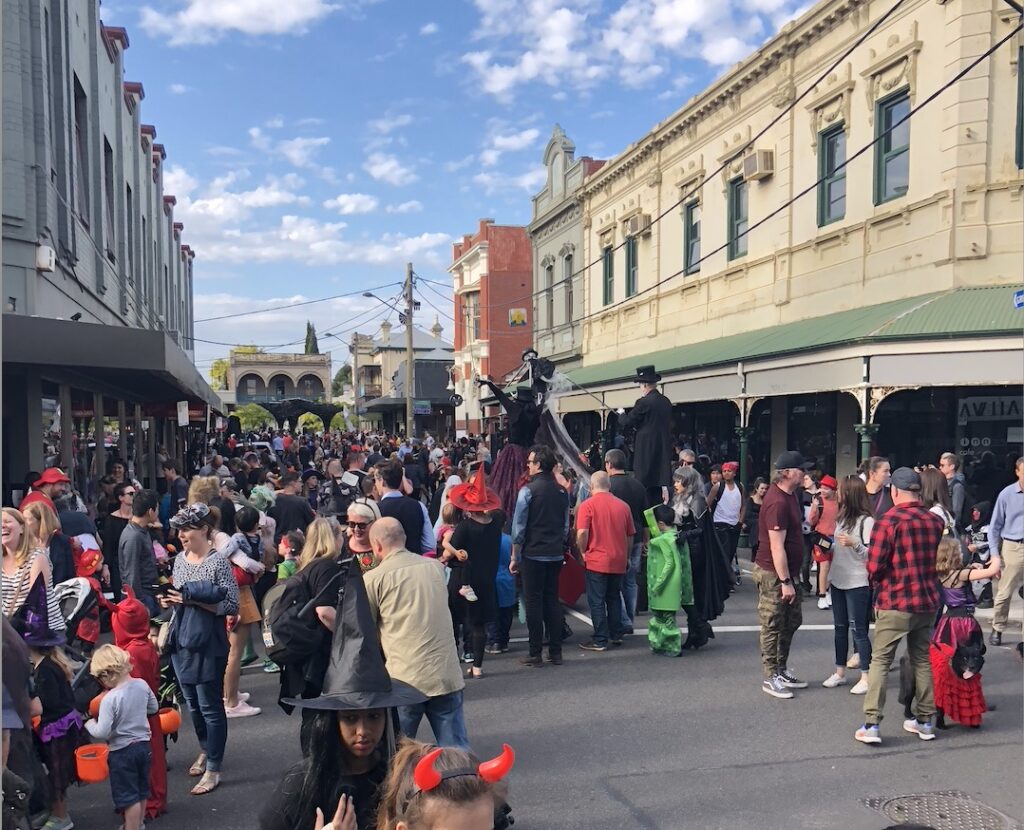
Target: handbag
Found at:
16, 610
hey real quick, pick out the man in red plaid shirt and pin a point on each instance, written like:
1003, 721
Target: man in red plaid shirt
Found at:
901, 568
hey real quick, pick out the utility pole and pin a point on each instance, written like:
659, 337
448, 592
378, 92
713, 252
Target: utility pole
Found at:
410, 417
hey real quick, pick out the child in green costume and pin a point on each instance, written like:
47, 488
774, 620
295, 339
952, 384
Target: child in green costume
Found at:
669, 581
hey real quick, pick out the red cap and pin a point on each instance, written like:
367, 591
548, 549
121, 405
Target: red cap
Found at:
52, 475
828, 481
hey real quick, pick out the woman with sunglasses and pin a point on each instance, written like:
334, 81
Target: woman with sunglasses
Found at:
361, 514
112, 528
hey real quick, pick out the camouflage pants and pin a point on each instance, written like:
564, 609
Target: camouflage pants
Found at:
779, 620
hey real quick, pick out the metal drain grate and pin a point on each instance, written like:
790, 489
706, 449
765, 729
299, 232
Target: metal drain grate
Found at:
946, 810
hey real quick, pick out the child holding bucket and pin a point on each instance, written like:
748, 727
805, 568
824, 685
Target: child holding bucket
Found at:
123, 723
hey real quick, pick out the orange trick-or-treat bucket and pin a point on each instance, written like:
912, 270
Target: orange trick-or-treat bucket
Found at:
91, 761
170, 720
94, 705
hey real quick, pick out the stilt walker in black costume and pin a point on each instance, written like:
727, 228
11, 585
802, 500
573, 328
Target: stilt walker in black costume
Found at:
523, 423
651, 418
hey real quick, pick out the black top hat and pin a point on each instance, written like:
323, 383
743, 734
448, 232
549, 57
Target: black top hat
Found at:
34, 625
356, 677
524, 393
646, 374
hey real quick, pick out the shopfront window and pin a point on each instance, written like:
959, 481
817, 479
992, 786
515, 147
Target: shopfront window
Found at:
709, 429
811, 428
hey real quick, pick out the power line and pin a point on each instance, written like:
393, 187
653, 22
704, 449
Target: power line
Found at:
442, 313
813, 186
293, 305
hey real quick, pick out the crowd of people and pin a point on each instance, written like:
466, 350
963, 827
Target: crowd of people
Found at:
376, 574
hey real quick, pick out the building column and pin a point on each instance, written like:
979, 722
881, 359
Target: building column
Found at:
867, 433
151, 454
99, 435
67, 436
122, 432
137, 458
744, 434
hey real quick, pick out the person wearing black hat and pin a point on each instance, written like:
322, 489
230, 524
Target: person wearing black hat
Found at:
352, 739
651, 417
523, 423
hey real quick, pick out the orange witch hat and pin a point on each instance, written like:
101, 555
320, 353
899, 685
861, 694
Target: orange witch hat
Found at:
475, 496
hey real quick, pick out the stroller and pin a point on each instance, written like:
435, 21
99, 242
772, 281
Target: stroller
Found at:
78, 600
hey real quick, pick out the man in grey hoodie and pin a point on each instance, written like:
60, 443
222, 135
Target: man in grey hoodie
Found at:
949, 466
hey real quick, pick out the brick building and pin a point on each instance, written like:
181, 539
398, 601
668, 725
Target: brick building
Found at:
492, 272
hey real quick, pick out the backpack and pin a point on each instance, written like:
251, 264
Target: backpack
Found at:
292, 632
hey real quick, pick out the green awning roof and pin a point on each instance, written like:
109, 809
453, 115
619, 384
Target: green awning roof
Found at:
980, 312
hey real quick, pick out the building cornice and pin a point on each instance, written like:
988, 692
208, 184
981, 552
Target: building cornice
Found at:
794, 37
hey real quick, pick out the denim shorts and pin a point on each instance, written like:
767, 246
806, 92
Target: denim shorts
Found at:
129, 774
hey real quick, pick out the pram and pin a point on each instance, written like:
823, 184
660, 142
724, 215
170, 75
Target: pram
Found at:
78, 600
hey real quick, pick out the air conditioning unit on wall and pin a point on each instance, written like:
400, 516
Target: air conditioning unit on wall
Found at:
760, 164
638, 225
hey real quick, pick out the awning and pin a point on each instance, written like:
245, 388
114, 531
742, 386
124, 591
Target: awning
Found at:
136, 365
962, 336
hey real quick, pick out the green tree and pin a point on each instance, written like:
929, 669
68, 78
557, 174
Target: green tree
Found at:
341, 377
338, 421
219, 368
312, 346
252, 416
311, 422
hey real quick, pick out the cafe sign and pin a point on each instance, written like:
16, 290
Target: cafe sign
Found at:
1000, 408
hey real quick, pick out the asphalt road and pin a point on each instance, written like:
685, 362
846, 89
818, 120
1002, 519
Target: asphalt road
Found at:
626, 740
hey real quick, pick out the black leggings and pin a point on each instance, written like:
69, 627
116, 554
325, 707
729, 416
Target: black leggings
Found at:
475, 635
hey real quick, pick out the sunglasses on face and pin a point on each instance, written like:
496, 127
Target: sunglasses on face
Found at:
358, 525
128, 493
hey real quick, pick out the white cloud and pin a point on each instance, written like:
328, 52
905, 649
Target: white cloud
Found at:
178, 182
529, 181
429, 28
275, 123
207, 21
499, 142
258, 139
390, 123
301, 151
350, 203
386, 168
725, 51
459, 164
178, 89
412, 206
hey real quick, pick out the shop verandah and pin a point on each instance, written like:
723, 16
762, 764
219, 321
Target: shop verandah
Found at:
907, 379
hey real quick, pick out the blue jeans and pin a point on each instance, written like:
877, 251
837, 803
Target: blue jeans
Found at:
444, 713
629, 585
498, 632
206, 705
605, 601
850, 606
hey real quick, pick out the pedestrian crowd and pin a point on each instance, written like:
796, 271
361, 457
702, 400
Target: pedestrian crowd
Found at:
374, 575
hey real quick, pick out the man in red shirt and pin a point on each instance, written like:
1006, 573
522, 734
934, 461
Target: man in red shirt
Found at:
901, 570
604, 535
47, 488
780, 552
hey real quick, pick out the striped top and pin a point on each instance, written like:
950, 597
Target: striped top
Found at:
16, 587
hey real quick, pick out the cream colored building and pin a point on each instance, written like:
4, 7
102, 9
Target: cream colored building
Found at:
871, 313
269, 377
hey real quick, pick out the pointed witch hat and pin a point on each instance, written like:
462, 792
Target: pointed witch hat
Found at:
356, 677
475, 496
35, 623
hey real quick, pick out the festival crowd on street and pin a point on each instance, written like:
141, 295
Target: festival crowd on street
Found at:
377, 575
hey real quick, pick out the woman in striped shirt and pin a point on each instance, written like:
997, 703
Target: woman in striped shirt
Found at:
23, 563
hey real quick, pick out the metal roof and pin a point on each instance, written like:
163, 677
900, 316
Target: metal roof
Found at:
982, 312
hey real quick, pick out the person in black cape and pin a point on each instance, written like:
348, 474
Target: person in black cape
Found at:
651, 418
712, 574
523, 422
352, 738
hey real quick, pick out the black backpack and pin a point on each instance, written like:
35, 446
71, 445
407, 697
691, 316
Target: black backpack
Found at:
292, 632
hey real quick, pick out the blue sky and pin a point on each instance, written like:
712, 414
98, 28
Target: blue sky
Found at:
315, 146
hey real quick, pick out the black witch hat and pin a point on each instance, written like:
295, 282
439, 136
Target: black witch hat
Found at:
356, 677
33, 623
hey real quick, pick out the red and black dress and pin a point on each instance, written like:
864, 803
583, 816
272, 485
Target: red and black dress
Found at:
960, 700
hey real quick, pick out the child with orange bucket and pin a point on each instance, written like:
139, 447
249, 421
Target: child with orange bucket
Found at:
123, 723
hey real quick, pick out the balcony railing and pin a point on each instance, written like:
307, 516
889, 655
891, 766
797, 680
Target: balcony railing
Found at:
274, 398
369, 391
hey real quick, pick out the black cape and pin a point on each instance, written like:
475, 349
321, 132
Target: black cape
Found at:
651, 417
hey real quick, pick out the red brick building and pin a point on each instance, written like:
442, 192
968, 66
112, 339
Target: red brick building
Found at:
492, 272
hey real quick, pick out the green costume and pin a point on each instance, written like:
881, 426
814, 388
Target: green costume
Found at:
669, 587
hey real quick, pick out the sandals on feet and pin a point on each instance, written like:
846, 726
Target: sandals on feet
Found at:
207, 784
199, 767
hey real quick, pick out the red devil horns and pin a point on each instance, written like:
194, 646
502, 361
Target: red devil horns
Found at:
427, 777
494, 770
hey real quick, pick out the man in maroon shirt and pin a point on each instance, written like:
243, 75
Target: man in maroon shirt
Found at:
780, 552
604, 535
901, 569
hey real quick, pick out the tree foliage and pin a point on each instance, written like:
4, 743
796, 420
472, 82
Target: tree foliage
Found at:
312, 346
311, 422
219, 368
253, 416
341, 377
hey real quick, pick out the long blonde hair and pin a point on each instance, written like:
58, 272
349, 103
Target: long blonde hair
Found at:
321, 540
48, 521
24, 548
203, 489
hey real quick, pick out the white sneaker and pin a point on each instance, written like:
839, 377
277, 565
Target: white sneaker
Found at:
468, 593
823, 603
242, 710
828, 597
834, 680
861, 686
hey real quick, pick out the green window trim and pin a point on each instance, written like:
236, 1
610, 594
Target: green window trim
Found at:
691, 238
631, 266
738, 216
608, 275
892, 152
1020, 109
832, 183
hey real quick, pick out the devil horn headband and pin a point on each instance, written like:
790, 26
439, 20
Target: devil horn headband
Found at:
427, 777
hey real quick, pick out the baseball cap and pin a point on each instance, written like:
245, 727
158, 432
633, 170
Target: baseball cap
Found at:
790, 460
51, 475
830, 482
904, 478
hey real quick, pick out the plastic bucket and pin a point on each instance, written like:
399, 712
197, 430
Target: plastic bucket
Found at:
91, 761
170, 720
94, 705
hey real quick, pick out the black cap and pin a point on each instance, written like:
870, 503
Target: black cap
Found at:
904, 478
792, 460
